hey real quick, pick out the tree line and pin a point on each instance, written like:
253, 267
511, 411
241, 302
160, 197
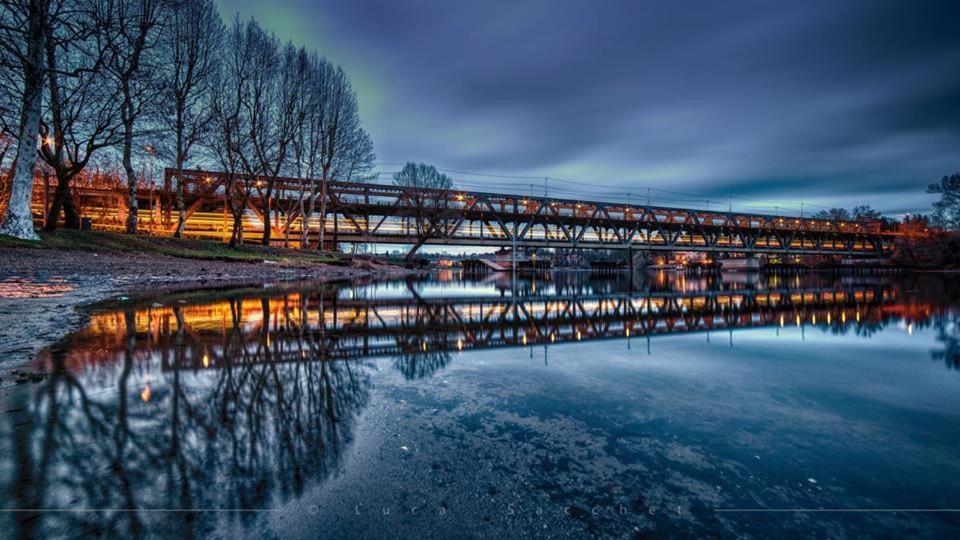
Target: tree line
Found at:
88, 80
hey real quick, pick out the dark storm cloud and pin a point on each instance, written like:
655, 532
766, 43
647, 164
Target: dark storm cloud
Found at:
822, 101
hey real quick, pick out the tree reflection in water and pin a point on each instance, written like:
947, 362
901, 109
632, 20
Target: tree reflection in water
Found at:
420, 366
948, 333
239, 401
126, 439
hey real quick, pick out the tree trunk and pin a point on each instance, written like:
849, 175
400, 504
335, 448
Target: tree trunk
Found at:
18, 221
63, 200
181, 211
181, 157
236, 234
266, 222
323, 210
131, 174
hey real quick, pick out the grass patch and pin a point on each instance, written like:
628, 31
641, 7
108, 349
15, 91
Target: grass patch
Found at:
105, 242
11, 242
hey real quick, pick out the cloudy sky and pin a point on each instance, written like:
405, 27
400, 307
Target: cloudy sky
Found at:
772, 103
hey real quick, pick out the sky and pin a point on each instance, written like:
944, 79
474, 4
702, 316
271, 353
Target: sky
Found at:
751, 104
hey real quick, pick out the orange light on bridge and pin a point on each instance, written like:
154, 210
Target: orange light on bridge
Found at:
459, 197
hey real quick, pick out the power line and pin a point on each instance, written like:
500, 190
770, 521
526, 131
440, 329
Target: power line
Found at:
688, 198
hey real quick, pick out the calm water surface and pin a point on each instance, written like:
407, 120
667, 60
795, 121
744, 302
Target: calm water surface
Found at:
738, 406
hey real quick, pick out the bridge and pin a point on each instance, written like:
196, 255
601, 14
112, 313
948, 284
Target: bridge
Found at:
389, 214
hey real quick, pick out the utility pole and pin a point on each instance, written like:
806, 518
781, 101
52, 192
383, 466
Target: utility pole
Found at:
545, 192
731, 204
801, 210
648, 196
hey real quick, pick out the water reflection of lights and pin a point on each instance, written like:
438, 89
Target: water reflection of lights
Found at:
28, 288
278, 328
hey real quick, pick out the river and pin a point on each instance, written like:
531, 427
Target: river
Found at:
558, 406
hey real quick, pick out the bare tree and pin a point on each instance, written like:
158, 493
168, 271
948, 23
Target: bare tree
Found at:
424, 186
305, 149
80, 110
230, 138
346, 152
270, 112
131, 29
23, 27
190, 48
946, 211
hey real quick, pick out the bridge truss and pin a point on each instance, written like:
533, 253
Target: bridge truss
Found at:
377, 213
389, 214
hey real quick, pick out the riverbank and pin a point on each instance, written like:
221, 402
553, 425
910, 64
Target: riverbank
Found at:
45, 286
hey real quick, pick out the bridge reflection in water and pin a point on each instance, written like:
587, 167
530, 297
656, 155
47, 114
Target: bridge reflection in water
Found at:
241, 400
295, 324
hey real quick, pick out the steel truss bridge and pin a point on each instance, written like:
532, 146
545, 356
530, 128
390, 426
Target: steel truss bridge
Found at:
312, 325
389, 214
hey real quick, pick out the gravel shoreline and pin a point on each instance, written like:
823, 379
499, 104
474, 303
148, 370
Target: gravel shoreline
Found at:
43, 291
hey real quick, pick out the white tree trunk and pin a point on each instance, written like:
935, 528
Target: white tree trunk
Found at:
18, 221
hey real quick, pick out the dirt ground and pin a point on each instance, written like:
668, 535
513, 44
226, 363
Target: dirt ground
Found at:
42, 291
